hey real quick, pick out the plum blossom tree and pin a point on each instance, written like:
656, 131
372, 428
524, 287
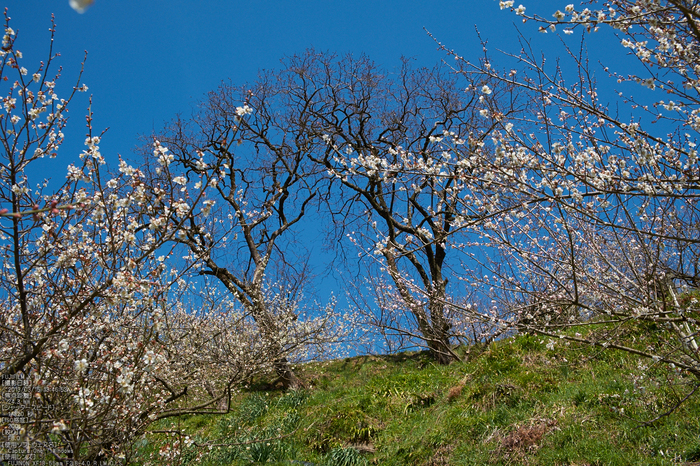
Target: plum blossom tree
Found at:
98, 338
262, 186
382, 136
78, 279
378, 140
81, 288
604, 229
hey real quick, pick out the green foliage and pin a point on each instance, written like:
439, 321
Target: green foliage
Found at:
517, 403
345, 457
253, 407
693, 452
291, 400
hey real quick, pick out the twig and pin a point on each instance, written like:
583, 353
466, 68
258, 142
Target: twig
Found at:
670, 411
234, 444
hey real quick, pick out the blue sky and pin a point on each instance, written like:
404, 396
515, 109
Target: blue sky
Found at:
149, 60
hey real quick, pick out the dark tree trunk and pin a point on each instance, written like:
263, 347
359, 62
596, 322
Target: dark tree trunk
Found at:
287, 376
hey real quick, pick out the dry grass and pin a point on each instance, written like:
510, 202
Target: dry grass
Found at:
455, 392
523, 440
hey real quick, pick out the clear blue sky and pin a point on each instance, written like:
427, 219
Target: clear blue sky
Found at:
149, 60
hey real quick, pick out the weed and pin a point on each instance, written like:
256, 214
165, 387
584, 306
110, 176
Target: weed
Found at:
693, 453
293, 399
345, 457
253, 407
455, 392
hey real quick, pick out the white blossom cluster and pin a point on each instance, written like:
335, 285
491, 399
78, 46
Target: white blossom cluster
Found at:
94, 314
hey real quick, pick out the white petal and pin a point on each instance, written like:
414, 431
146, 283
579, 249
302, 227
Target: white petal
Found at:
80, 5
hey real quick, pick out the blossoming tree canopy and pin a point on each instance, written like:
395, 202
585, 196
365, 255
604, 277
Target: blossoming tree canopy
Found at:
96, 323
261, 190
603, 227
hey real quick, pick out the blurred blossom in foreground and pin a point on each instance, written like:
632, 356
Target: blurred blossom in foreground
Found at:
80, 5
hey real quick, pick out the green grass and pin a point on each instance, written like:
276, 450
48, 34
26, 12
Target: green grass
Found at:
515, 403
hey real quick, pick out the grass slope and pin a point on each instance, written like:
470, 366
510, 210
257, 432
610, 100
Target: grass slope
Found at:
517, 402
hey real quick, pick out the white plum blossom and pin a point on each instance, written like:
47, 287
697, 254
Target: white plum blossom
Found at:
161, 153
208, 204
81, 365
80, 5
59, 426
96, 290
574, 164
181, 208
244, 110
9, 104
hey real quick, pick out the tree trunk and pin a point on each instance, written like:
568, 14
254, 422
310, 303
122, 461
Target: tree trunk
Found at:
287, 376
436, 335
270, 332
440, 351
434, 328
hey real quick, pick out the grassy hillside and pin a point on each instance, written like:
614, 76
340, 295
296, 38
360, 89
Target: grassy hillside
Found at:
524, 400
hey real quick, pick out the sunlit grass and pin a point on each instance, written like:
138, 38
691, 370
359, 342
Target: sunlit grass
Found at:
517, 402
